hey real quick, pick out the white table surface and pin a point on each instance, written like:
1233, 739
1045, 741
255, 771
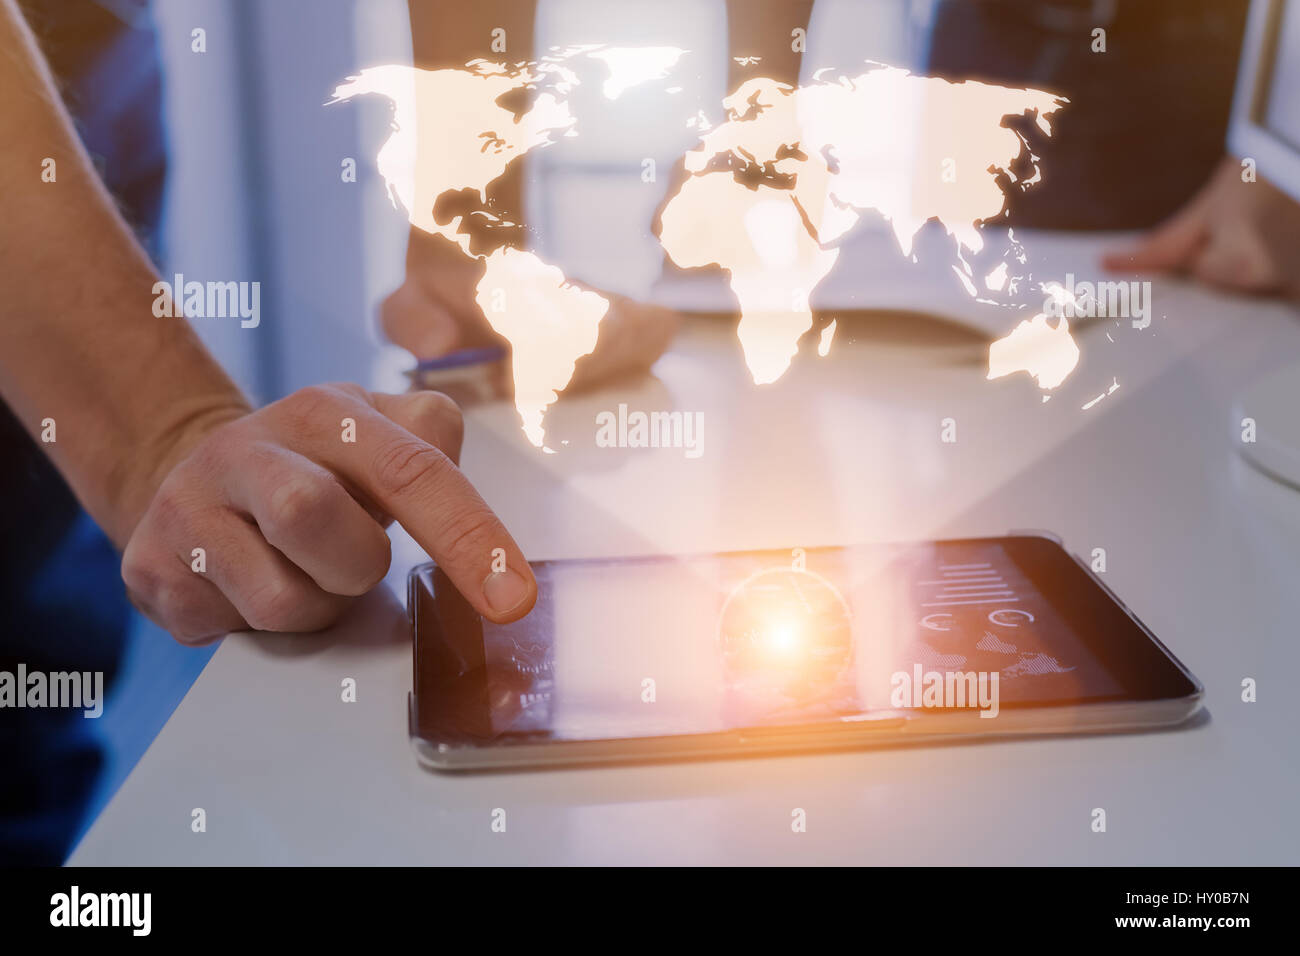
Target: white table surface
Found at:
844, 448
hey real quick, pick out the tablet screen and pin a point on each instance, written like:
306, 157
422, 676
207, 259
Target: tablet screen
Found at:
665, 646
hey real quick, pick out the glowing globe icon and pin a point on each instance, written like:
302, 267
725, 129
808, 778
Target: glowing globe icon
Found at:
787, 630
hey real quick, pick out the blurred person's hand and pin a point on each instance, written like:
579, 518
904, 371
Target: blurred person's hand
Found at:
290, 514
434, 313
1234, 235
228, 518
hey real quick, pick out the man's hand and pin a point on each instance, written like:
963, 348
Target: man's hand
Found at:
1239, 236
159, 445
290, 515
434, 312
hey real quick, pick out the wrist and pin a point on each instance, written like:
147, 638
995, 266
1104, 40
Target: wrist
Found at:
138, 475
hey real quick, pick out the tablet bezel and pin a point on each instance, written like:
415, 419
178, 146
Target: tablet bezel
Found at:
1159, 691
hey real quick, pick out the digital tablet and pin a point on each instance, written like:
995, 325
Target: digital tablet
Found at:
659, 658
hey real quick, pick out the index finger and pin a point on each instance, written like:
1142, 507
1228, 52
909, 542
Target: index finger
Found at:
431, 498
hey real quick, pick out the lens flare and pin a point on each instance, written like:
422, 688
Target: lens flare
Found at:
785, 632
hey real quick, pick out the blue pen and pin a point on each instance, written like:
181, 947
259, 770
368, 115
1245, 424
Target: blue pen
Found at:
462, 358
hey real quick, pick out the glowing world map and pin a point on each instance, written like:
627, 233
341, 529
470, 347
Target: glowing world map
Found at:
768, 193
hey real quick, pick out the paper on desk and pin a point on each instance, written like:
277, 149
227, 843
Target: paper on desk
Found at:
873, 275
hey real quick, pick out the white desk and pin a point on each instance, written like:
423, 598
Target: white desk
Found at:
844, 448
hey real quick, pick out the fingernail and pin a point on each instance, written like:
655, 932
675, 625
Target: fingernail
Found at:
505, 591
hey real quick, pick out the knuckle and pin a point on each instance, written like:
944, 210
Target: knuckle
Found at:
184, 614
299, 501
275, 605
312, 395
440, 408
447, 418
349, 391
260, 455
139, 574
308, 407
402, 463
465, 531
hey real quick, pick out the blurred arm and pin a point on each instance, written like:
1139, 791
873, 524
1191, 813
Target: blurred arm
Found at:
78, 339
